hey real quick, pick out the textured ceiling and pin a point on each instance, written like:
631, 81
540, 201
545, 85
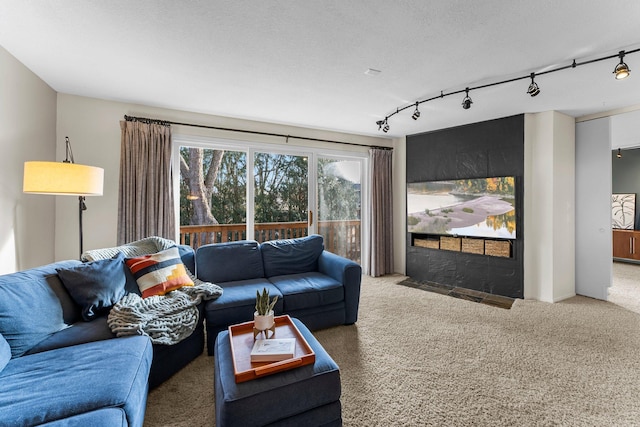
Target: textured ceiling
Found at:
303, 62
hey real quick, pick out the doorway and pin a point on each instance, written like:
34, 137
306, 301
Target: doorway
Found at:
625, 185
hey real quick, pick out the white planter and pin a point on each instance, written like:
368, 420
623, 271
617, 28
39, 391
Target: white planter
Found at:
262, 323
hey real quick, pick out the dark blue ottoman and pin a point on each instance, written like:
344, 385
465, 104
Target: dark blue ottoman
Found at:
308, 395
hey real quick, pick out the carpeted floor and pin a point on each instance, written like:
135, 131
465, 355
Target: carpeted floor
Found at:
419, 358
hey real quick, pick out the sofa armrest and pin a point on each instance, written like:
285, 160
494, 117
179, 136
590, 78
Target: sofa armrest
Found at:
348, 273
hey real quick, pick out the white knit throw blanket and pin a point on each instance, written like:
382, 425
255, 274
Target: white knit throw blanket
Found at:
166, 319
148, 245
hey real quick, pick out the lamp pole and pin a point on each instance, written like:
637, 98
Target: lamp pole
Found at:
81, 207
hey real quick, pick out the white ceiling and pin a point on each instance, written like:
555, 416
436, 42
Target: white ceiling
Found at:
303, 62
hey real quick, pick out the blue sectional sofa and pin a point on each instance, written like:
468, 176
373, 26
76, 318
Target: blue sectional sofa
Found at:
318, 287
58, 367
45, 378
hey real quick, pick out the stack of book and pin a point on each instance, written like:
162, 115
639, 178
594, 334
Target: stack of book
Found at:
273, 350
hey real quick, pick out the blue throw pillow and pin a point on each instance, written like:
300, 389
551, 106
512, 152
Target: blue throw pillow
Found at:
5, 352
95, 286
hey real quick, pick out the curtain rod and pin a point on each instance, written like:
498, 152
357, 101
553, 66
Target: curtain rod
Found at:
168, 122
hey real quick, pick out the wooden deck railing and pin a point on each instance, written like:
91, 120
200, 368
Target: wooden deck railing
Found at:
340, 237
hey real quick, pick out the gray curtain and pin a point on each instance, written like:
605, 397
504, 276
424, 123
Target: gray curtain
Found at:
145, 206
381, 250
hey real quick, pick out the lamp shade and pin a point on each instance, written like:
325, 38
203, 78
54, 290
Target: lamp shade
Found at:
61, 178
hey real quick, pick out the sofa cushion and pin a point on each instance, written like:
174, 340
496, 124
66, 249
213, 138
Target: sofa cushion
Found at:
291, 256
105, 417
5, 352
33, 305
78, 333
188, 256
228, 262
159, 273
57, 384
95, 286
236, 305
243, 294
306, 290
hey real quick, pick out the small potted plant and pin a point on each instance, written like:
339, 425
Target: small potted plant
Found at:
263, 316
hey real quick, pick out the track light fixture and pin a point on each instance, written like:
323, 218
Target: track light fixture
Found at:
416, 113
466, 102
385, 127
622, 70
533, 90
619, 155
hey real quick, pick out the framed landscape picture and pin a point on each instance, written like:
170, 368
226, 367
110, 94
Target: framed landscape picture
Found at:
623, 211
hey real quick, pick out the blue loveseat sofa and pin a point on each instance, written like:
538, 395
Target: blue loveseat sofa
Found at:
318, 287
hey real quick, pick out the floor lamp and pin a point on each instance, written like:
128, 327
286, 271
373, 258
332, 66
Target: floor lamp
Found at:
64, 178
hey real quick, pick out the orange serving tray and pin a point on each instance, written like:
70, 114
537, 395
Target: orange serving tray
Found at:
241, 338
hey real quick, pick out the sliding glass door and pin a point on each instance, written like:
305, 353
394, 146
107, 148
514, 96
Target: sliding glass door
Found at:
230, 193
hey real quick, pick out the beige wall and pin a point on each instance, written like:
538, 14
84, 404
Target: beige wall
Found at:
27, 132
93, 128
400, 205
549, 206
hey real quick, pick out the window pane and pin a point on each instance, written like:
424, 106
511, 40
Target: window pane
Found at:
339, 206
212, 196
280, 196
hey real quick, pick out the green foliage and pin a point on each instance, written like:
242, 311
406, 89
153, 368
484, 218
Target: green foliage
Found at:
412, 220
229, 195
501, 185
467, 210
263, 306
280, 187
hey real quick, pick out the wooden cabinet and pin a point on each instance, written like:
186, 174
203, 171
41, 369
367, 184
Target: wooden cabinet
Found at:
626, 244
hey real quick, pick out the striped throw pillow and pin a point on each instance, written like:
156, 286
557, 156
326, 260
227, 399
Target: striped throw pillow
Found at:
159, 273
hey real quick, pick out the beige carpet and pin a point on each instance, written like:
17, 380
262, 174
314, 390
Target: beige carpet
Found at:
417, 358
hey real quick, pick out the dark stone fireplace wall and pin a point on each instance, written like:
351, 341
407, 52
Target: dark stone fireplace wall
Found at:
479, 150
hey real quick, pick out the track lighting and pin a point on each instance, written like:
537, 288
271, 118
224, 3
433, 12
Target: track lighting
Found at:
385, 128
383, 125
533, 90
622, 70
619, 155
466, 102
416, 113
